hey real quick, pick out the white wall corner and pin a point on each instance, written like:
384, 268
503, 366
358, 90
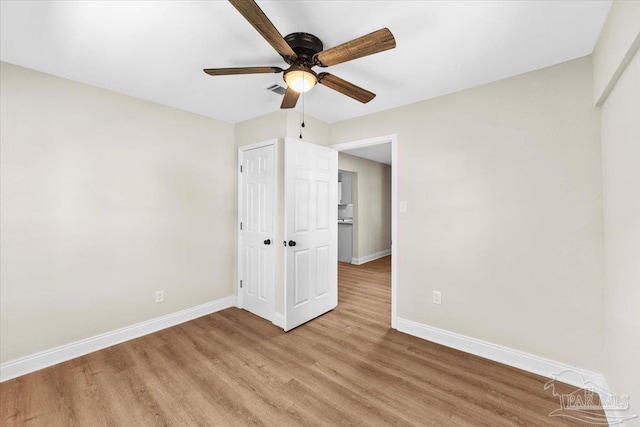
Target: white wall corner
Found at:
508, 356
371, 257
34, 362
622, 66
618, 42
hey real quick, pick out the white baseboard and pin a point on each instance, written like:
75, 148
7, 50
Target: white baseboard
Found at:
518, 359
508, 356
278, 319
370, 257
34, 362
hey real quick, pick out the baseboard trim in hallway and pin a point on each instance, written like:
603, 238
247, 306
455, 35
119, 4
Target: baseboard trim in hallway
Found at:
371, 257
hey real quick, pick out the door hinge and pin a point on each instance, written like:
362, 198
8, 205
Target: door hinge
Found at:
240, 226
240, 168
240, 284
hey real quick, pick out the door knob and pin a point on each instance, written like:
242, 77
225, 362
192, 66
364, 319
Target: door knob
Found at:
267, 242
292, 243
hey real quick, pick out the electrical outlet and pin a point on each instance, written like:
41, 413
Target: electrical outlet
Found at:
160, 296
437, 297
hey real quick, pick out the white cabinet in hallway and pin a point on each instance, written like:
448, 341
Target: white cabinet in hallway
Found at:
345, 241
345, 191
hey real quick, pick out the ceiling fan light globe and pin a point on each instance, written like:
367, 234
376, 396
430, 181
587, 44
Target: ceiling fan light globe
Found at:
300, 81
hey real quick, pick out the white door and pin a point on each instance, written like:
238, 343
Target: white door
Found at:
257, 239
311, 223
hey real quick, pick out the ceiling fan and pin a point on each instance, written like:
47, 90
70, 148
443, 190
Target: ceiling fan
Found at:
302, 51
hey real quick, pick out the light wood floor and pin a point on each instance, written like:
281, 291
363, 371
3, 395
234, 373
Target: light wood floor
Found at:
232, 368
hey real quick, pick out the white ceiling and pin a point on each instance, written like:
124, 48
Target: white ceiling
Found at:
156, 50
380, 153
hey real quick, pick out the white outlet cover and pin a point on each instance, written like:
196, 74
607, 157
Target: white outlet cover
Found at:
403, 207
437, 297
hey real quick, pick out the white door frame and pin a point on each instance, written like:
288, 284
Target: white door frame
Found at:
393, 139
241, 150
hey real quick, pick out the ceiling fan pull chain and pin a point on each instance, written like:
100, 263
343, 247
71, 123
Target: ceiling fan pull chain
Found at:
302, 116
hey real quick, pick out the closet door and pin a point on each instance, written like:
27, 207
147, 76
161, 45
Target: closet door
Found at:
257, 253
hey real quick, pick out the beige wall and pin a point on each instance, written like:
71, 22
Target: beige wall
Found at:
621, 187
372, 204
104, 199
503, 186
269, 126
279, 124
315, 130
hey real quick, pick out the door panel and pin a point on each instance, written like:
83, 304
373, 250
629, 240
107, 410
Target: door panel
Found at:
322, 271
258, 260
301, 274
311, 217
322, 205
302, 208
250, 271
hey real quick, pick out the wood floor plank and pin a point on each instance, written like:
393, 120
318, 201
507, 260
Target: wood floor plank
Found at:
232, 368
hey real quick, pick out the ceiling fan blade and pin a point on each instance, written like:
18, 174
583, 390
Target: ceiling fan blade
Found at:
375, 42
290, 98
256, 17
241, 70
346, 88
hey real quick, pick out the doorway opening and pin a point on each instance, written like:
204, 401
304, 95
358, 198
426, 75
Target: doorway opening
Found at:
347, 200
378, 149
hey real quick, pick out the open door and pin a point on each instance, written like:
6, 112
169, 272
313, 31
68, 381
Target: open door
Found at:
311, 231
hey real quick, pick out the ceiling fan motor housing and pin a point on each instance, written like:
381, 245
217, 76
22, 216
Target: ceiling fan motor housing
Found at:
305, 45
